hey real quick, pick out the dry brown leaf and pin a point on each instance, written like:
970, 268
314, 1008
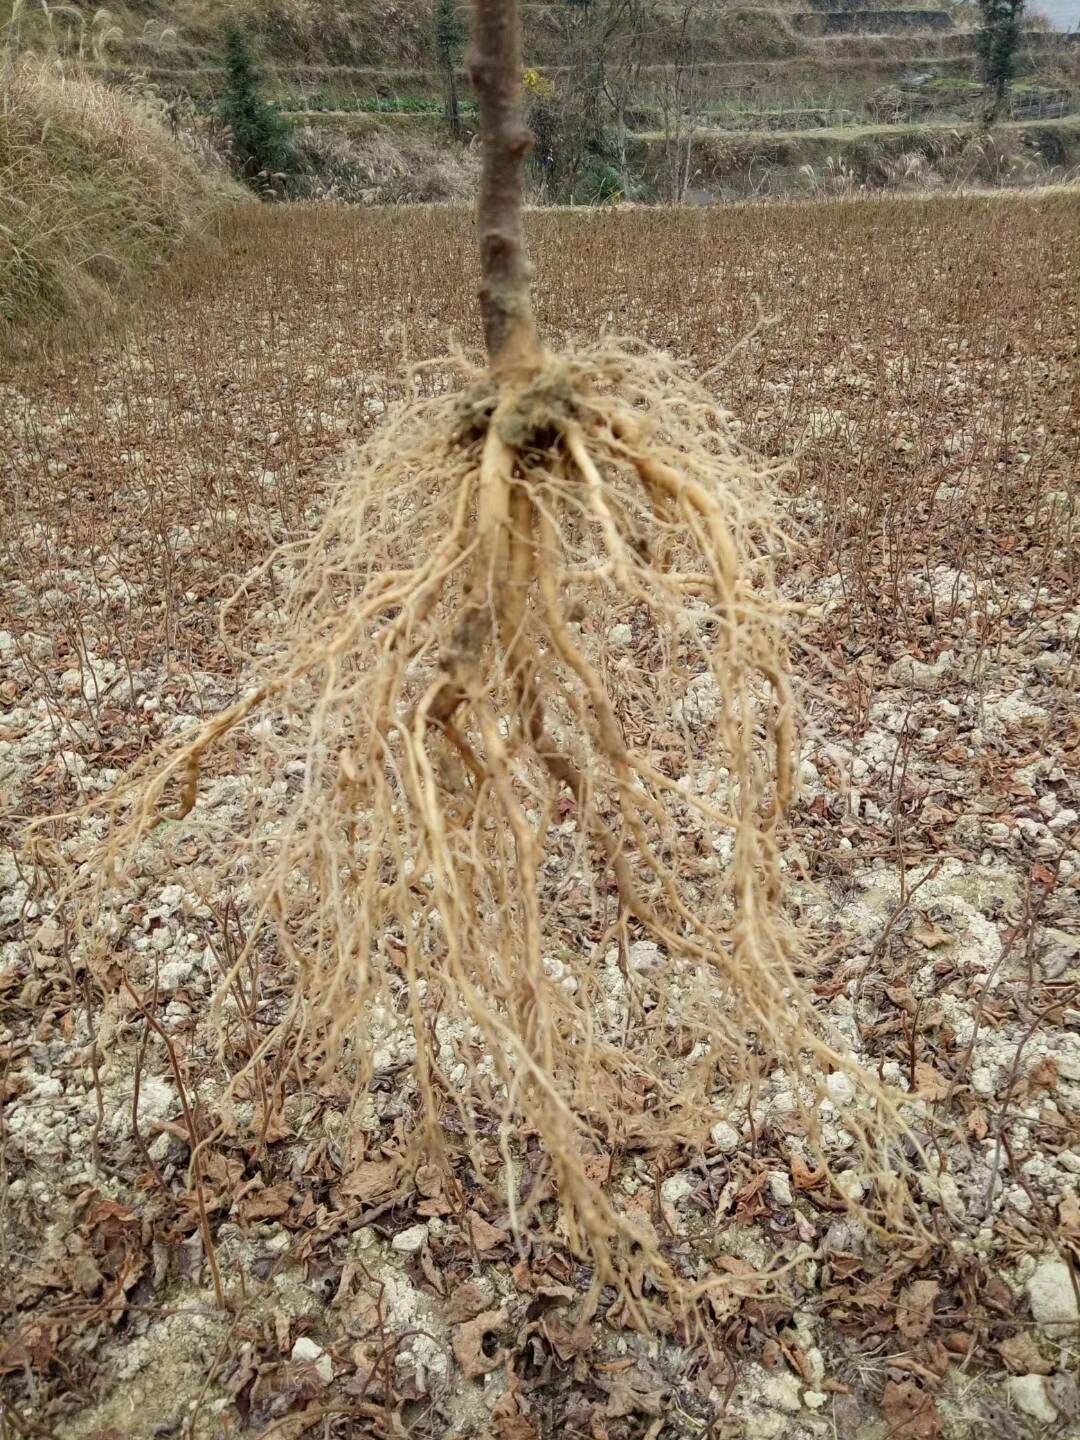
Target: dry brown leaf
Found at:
429, 1181
509, 1422
1044, 1075
800, 1362
915, 1308
371, 1181
226, 1172
802, 1177
1021, 1355
433, 1274
902, 996
271, 1126
749, 1204
268, 1204
637, 1392
515, 1427
930, 936
49, 937
742, 1271
930, 1083
1069, 1215
468, 1342
485, 1236
468, 1301
910, 1412
597, 1168
978, 1123
568, 1341
958, 1342
30, 1345
85, 1275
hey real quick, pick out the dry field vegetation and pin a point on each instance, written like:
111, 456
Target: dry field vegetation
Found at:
95, 193
920, 373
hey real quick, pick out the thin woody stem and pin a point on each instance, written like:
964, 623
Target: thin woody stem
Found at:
495, 61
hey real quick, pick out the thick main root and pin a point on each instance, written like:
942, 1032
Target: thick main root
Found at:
525, 744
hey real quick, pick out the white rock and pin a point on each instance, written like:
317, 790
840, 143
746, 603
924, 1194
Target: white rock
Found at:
908, 671
780, 1188
175, 973
841, 1088
1053, 1299
814, 1399
676, 1188
1028, 1393
157, 1100
701, 703
817, 1364
766, 1425
851, 1185
645, 956
409, 1241
621, 636
783, 1391
306, 1352
725, 1137
1067, 1056
845, 1237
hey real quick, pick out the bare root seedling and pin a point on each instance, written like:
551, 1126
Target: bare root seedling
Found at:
465, 802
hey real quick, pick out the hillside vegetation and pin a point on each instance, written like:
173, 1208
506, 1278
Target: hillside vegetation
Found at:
95, 191
664, 100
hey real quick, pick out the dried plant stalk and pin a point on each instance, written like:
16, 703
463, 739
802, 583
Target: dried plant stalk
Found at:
544, 870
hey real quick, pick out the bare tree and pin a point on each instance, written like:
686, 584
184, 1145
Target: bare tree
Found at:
679, 102
621, 72
450, 37
581, 126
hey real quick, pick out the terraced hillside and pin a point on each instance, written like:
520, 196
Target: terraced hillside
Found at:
794, 97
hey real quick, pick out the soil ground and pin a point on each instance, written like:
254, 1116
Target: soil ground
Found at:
920, 376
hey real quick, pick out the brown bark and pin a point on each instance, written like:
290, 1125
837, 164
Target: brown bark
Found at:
495, 65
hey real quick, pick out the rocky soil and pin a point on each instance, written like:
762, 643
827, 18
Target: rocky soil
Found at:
932, 855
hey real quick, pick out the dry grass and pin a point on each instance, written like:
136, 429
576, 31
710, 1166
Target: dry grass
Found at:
381, 167
95, 194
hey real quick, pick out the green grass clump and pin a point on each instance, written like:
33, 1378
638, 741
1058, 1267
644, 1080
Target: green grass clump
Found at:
375, 105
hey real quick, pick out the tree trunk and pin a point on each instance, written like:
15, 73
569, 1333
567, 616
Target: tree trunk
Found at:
505, 303
453, 113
